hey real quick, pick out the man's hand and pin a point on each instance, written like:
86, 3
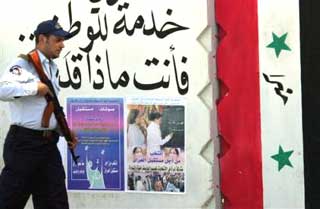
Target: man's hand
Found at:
43, 89
74, 142
169, 136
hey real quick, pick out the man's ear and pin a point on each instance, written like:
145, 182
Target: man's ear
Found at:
42, 38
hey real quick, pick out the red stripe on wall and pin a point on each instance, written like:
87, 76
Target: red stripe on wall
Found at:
239, 106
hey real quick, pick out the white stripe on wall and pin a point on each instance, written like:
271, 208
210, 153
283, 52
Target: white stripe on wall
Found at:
281, 124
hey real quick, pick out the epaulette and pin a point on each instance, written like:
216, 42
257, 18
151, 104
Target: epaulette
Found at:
24, 56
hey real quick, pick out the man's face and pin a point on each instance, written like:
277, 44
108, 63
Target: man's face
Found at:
158, 121
53, 46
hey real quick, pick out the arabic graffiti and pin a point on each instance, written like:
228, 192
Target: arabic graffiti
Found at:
146, 25
279, 87
182, 79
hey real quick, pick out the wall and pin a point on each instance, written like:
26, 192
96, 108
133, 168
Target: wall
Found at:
129, 53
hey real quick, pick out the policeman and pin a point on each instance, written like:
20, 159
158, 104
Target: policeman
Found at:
32, 160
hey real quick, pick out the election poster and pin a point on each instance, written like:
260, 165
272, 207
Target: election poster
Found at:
98, 123
155, 145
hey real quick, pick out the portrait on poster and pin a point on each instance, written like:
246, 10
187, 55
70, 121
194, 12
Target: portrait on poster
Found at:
98, 123
155, 145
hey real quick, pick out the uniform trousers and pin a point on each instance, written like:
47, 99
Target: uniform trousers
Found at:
33, 166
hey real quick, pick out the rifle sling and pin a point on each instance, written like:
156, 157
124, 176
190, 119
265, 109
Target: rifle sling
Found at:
35, 60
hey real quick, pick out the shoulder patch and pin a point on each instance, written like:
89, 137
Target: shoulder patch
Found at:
24, 56
16, 70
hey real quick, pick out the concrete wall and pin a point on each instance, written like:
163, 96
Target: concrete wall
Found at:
129, 53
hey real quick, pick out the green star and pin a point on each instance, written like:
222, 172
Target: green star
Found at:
282, 158
278, 43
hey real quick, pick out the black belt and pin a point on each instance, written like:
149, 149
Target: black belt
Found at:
31, 132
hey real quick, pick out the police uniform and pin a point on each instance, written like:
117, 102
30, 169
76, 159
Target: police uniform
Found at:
33, 164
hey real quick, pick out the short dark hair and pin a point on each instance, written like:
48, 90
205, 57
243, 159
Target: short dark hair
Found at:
37, 37
154, 115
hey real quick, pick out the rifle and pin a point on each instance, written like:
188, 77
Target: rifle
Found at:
51, 97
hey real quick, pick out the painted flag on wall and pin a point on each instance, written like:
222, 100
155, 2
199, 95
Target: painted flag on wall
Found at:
259, 111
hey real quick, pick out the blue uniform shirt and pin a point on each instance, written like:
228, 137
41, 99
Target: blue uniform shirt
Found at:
19, 86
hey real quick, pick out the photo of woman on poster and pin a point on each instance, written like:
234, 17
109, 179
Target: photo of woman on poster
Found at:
136, 130
138, 155
173, 155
